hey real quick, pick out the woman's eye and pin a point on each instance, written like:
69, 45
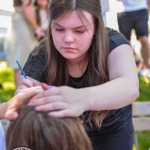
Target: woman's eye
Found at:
78, 31
59, 30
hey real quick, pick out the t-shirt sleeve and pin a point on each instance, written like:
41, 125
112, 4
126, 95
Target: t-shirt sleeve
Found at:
115, 39
35, 64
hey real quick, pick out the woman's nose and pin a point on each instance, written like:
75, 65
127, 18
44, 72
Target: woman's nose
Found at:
69, 37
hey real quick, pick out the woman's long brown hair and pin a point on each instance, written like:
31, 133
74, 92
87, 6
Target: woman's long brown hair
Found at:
97, 54
39, 131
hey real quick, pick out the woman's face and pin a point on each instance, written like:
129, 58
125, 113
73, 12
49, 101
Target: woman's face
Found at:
72, 36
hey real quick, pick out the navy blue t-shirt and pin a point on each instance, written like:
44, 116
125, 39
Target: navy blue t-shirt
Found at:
34, 68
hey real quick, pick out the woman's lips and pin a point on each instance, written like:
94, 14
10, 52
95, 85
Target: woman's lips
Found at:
69, 49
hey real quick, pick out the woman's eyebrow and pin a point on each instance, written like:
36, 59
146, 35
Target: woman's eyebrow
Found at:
79, 27
57, 24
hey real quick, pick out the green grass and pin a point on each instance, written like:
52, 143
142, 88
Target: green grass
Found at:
144, 136
6, 95
144, 89
144, 140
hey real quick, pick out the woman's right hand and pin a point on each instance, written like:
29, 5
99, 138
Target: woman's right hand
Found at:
27, 83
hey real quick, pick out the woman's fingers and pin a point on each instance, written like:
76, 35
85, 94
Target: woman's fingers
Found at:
51, 107
30, 91
44, 100
62, 113
19, 89
27, 83
50, 92
27, 94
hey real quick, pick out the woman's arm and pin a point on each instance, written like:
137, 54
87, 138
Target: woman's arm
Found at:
121, 90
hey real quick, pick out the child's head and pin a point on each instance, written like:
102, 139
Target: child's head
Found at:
38, 131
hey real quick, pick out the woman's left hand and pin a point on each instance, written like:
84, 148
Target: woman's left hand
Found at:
61, 101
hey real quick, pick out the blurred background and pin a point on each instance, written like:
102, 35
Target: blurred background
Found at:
110, 8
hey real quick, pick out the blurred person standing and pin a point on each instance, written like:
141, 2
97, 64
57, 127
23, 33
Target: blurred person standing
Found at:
135, 16
21, 38
105, 8
41, 7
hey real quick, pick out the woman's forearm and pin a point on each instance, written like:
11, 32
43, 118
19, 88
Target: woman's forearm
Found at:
111, 95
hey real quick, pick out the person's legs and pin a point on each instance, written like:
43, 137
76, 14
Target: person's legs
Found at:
125, 24
141, 28
145, 52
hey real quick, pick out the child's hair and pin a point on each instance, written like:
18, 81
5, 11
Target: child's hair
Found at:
39, 131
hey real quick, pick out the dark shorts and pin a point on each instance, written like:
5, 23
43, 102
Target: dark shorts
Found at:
137, 20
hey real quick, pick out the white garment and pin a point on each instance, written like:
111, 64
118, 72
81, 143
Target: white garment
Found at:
105, 6
21, 39
2, 138
134, 5
44, 19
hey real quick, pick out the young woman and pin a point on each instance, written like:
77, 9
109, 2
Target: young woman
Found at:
91, 70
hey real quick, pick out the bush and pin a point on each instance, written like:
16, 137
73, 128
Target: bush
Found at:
7, 85
144, 89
